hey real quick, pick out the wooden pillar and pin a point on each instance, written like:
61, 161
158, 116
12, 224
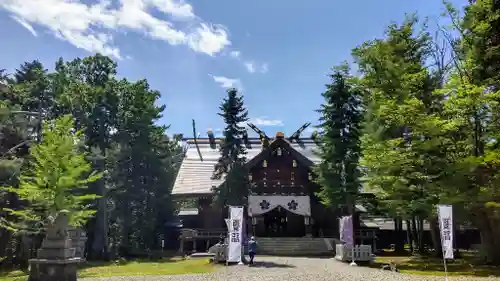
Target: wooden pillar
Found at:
374, 239
181, 249
308, 226
194, 245
252, 223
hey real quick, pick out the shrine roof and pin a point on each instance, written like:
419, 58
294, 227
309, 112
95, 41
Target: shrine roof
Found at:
195, 176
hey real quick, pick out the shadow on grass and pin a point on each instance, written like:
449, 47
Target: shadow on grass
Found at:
122, 262
146, 267
132, 267
425, 265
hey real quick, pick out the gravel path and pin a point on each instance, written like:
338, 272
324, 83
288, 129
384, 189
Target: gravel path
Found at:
293, 269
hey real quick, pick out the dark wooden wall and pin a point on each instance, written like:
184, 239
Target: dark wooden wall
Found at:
281, 175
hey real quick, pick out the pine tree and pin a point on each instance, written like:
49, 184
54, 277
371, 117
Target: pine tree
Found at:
55, 180
231, 164
32, 88
481, 44
339, 145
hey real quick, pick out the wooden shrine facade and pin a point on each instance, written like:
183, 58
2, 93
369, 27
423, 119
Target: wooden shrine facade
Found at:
282, 201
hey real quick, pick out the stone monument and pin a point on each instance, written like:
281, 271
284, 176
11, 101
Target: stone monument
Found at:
55, 259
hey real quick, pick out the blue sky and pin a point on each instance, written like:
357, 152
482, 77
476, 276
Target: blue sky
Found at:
278, 52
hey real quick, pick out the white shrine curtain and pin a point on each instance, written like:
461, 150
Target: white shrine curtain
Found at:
300, 205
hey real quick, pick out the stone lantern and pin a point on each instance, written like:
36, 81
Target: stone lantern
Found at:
56, 260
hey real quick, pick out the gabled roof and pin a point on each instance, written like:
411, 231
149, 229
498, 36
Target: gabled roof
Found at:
266, 153
195, 176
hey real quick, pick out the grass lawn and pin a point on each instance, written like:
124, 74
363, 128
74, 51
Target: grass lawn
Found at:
466, 265
131, 268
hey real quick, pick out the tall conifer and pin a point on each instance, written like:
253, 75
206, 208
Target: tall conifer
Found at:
339, 145
231, 164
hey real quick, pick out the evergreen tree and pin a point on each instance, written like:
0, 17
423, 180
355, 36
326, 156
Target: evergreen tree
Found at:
88, 88
231, 164
56, 179
403, 144
472, 108
481, 43
31, 87
339, 145
142, 170
118, 121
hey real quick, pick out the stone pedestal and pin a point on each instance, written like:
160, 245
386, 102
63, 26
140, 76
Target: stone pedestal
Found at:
53, 270
56, 259
78, 238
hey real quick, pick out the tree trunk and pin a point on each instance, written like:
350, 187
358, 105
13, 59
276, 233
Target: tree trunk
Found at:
5, 237
100, 244
436, 239
421, 247
414, 231
25, 246
488, 241
456, 231
399, 245
409, 236
100, 241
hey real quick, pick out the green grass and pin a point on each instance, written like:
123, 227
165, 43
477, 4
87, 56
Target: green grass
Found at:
467, 265
130, 268
16, 275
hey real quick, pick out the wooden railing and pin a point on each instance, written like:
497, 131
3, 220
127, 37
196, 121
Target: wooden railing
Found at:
365, 234
191, 233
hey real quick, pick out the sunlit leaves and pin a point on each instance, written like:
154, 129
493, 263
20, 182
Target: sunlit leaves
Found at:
56, 177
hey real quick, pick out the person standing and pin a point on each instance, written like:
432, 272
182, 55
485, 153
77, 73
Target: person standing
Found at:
252, 249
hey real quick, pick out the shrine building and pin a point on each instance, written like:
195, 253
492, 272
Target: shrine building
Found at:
282, 201
283, 211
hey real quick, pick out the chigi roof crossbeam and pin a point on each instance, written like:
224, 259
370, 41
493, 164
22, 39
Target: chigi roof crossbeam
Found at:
195, 174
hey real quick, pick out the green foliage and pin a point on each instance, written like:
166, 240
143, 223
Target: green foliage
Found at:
339, 141
56, 179
120, 140
403, 142
428, 138
231, 164
481, 43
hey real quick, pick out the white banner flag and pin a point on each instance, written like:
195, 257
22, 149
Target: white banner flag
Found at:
235, 234
445, 216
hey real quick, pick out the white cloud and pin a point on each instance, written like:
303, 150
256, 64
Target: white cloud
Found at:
208, 39
227, 83
89, 26
253, 67
235, 54
250, 67
264, 121
177, 9
25, 25
264, 68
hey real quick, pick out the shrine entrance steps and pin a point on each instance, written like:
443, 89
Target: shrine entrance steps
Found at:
295, 246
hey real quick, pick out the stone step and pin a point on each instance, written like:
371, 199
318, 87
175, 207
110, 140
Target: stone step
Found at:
293, 246
291, 238
322, 242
